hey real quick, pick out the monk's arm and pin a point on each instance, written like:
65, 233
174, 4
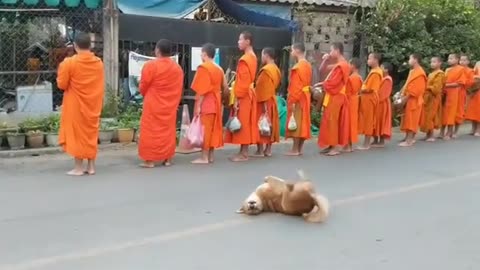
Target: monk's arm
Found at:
373, 84
147, 77
201, 85
261, 85
416, 87
63, 75
437, 85
386, 90
331, 85
295, 87
243, 80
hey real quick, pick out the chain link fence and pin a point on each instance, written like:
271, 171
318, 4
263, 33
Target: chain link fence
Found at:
36, 35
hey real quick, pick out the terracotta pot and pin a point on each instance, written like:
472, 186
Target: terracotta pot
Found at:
52, 140
105, 136
16, 142
35, 140
125, 135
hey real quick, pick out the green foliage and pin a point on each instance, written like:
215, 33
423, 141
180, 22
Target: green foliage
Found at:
52, 123
398, 28
315, 117
111, 104
130, 116
31, 123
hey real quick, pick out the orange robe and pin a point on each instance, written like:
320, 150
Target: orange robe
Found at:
462, 95
432, 107
335, 125
354, 85
82, 79
383, 127
247, 102
473, 109
414, 89
299, 94
266, 86
449, 109
208, 82
369, 102
161, 85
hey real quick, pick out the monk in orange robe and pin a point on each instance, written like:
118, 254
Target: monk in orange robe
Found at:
369, 100
298, 100
335, 124
412, 95
82, 79
383, 127
208, 83
354, 85
161, 85
454, 81
473, 109
245, 105
431, 115
462, 94
266, 87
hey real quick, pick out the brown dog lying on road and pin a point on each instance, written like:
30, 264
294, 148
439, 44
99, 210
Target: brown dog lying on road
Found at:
279, 196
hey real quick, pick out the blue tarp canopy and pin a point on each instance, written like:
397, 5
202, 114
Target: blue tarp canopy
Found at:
160, 8
255, 13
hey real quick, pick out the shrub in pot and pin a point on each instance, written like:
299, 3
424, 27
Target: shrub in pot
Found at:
52, 127
126, 131
35, 138
32, 124
16, 140
105, 134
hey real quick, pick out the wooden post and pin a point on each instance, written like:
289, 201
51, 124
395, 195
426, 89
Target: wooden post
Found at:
110, 44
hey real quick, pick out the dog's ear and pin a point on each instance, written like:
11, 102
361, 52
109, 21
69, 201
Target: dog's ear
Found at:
240, 211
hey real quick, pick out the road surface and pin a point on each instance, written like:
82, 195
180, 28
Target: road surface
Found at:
392, 209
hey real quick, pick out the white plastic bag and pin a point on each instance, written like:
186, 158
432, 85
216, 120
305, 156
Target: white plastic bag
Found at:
264, 125
292, 123
234, 124
195, 133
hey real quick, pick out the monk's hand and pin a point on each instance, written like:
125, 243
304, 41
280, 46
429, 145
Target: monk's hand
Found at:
325, 56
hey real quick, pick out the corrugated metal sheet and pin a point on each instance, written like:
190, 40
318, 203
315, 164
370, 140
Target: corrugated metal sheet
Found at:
338, 3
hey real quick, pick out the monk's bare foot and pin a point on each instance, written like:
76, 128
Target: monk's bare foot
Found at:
446, 138
90, 172
405, 144
326, 150
379, 145
293, 153
201, 161
267, 153
75, 172
239, 158
167, 163
363, 148
430, 139
258, 154
476, 134
333, 152
347, 149
454, 136
147, 165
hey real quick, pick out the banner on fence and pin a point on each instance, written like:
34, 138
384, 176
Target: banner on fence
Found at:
135, 65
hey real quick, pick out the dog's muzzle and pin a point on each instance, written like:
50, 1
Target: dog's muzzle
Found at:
252, 205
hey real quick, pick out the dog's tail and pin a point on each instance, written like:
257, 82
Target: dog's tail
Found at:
321, 210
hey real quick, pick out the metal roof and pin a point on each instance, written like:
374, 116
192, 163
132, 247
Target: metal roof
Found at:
338, 3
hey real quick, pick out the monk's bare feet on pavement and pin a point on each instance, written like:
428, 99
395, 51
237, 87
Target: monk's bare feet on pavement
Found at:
167, 163
476, 134
326, 150
258, 154
446, 138
348, 149
378, 145
201, 161
293, 153
363, 147
406, 144
76, 172
333, 152
147, 164
239, 158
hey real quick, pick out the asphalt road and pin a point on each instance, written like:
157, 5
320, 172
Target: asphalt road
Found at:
393, 208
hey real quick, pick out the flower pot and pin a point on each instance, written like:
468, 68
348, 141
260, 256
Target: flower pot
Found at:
125, 135
52, 140
35, 140
105, 136
16, 141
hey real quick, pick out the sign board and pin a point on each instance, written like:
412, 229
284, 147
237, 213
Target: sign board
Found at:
195, 56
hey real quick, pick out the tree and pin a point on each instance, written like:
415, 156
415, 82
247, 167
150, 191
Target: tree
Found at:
397, 28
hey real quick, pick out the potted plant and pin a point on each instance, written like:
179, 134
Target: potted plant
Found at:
32, 124
126, 131
111, 105
16, 140
35, 138
52, 126
105, 134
